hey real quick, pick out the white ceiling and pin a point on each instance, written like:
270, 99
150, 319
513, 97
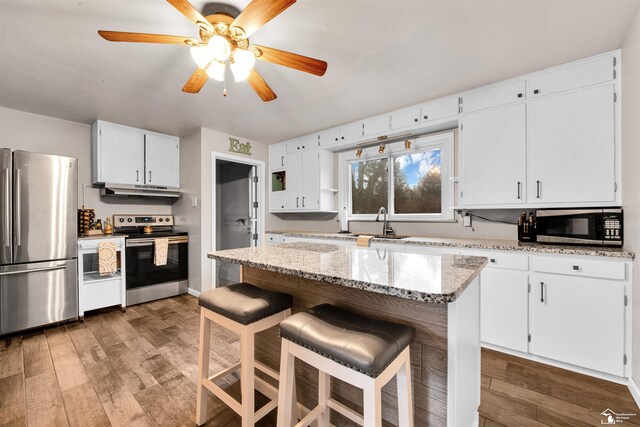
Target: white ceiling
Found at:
382, 55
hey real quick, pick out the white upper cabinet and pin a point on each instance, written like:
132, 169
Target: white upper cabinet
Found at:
351, 131
572, 150
572, 76
161, 153
130, 156
439, 109
494, 96
330, 136
294, 178
405, 118
309, 182
277, 156
310, 169
118, 154
493, 157
376, 126
302, 143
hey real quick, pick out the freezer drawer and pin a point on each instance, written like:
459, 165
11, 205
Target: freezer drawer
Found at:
37, 294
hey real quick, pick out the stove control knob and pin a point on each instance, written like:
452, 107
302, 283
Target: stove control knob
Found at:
129, 220
168, 219
160, 219
121, 220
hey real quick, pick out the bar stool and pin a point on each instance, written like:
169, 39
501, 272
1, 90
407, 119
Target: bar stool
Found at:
245, 310
358, 350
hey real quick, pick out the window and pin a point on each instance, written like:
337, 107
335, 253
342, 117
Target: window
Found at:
412, 184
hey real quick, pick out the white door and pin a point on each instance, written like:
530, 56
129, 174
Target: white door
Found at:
121, 155
572, 147
504, 308
277, 153
292, 195
310, 187
578, 320
493, 156
162, 160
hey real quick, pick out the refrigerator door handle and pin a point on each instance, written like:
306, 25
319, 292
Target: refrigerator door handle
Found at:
7, 205
18, 202
34, 270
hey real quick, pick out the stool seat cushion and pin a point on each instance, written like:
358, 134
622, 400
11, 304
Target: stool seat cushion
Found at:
244, 303
361, 343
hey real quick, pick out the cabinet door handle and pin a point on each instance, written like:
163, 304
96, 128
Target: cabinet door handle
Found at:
576, 268
541, 291
297, 200
519, 95
425, 117
282, 160
537, 189
492, 260
303, 201
519, 186
537, 91
137, 176
149, 176
415, 120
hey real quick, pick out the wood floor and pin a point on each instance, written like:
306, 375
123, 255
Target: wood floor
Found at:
139, 368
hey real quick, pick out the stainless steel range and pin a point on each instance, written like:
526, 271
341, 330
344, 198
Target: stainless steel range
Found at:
145, 280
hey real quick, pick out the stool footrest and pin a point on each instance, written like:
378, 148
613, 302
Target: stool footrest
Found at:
345, 411
223, 395
267, 370
265, 388
310, 417
225, 372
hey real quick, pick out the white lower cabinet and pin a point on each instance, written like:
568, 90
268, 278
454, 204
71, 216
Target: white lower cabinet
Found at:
579, 320
504, 308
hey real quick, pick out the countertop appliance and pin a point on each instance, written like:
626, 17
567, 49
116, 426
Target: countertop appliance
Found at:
145, 280
594, 227
38, 239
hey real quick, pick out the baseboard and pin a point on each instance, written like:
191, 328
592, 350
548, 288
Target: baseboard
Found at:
193, 292
635, 391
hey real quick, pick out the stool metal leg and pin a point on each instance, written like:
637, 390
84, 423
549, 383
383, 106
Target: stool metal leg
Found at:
286, 389
405, 400
324, 390
203, 368
247, 379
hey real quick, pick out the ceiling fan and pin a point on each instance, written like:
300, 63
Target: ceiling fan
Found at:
225, 38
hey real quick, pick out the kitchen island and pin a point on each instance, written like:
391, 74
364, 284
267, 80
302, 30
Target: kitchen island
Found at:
439, 295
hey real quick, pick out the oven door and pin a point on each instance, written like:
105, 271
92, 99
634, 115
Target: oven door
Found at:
141, 269
579, 226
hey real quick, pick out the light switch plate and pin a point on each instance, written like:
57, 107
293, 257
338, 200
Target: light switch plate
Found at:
194, 202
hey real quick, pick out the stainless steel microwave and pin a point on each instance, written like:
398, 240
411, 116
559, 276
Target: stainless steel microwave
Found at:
595, 227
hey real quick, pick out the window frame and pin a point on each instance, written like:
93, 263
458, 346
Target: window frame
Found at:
444, 141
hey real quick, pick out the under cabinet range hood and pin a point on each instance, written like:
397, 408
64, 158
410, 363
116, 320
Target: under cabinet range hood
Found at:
124, 190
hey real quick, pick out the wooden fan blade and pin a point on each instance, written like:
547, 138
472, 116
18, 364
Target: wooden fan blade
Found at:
190, 13
261, 87
196, 81
258, 13
121, 36
292, 60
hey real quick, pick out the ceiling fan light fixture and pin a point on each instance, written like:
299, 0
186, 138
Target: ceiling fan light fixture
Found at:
242, 64
219, 48
240, 73
201, 56
215, 70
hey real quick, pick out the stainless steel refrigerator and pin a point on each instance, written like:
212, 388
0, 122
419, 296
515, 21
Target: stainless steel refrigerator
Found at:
38, 239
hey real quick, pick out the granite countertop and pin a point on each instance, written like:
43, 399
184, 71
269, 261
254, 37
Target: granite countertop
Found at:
102, 236
491, 244
421, 277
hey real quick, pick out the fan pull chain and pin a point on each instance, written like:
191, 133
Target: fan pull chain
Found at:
224, 91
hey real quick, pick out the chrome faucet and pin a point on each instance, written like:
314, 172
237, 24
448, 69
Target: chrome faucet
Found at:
386, 229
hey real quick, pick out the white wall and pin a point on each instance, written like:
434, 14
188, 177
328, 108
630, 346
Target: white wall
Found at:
43, 134
199, 221
188, 217
631, 172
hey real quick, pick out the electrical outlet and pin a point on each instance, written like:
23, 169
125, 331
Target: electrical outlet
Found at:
194, 202
467, 219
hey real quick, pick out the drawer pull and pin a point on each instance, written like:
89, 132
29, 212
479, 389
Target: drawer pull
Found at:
576, 268
541, 291
492, 260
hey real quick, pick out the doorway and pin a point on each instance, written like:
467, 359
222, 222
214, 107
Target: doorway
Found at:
237, 211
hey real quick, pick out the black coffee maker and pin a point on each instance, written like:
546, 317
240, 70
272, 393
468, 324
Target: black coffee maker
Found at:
526, 227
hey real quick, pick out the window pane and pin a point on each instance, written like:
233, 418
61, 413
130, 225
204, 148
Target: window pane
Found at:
369, 186
417, 183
